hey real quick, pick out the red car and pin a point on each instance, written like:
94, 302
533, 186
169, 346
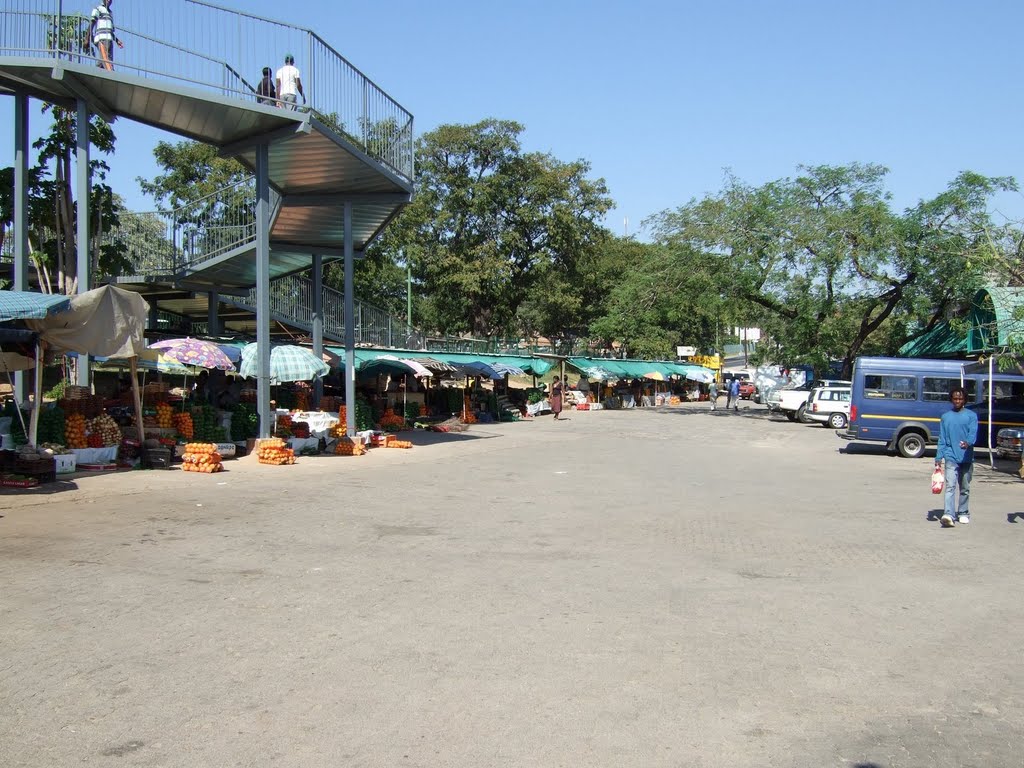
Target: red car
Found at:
746, 389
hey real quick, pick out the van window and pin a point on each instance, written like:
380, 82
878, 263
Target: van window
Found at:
936, 389
891, 387
1005, 390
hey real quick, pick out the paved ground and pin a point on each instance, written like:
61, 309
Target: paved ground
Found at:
645, 588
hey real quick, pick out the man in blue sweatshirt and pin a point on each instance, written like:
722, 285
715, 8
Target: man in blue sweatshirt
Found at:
957, 432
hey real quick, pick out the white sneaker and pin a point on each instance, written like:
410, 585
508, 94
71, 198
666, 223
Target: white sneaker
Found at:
964, 519
947, 521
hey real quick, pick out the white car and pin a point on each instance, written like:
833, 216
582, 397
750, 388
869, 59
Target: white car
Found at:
830, 406
793, 400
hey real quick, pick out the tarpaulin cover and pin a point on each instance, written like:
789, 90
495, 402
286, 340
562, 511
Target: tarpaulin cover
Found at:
106, 321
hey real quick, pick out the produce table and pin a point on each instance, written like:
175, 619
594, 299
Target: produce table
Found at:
297, 444
543, 406
320, 422
95, 455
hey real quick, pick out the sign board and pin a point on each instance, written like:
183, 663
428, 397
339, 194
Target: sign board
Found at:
714, 362
686, 351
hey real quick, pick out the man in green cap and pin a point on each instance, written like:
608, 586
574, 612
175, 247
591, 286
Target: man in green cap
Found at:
289, 84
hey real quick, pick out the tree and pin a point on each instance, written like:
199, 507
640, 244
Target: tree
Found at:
53, 210
489, 222
828, 263
664, 297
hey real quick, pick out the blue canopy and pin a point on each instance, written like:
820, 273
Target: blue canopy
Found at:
29, 305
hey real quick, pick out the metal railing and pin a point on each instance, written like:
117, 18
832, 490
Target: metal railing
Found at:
168, 242
291, 297
220, 49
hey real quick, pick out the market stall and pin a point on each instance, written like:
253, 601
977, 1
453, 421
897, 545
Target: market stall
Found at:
107, 322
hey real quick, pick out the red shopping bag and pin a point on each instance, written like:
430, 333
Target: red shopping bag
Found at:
938, 480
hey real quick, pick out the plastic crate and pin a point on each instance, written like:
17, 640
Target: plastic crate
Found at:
156, 458
66, 463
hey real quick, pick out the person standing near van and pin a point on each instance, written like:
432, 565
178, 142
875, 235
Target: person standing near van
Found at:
713, 394
289, 83
734, 393
958, 431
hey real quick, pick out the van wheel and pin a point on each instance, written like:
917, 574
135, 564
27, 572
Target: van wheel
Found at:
790, 415
837, 420
911, 445
800, 411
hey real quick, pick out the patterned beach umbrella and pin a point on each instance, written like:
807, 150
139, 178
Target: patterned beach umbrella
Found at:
287, 363
195, 352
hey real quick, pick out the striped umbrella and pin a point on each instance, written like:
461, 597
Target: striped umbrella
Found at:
287, 363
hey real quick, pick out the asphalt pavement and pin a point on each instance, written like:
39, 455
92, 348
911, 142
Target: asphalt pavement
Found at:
654, 587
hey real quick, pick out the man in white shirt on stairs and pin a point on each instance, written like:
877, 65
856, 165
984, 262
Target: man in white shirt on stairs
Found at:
289, 83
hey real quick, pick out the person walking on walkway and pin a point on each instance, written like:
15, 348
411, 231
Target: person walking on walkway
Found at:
289, 83
266, 93
958, 430
103, 37
713, 395
734, 394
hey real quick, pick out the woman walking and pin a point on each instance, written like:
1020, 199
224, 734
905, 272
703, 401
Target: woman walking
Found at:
556, 397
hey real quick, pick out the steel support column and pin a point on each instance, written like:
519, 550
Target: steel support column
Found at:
213, 314
263, 289
350, 327
82, 235
20, 223
318, 321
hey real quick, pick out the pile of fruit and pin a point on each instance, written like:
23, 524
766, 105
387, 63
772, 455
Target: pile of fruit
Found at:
104, 431
51, 425
470, 417
300, 429
424, 411
284, 426
74, 431
273, 451
183, 423
303, 396
245, 422
206, 424
164, 416
391, 421
202, 457
338, 430
346, 447
397, 444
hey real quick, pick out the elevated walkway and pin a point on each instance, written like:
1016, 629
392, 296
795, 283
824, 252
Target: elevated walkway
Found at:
330, 174
350, 143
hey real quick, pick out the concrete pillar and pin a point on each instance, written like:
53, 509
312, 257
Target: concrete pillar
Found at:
318, 322
20, 216
213, 314
263, 289
82, 235
350, 326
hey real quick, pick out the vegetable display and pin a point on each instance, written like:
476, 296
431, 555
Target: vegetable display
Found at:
103, 432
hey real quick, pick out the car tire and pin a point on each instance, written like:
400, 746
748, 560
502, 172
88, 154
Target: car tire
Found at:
790, 415
837, 421
800, 414
911, 445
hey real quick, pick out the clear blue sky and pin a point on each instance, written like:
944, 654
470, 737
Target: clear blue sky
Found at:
662, 97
